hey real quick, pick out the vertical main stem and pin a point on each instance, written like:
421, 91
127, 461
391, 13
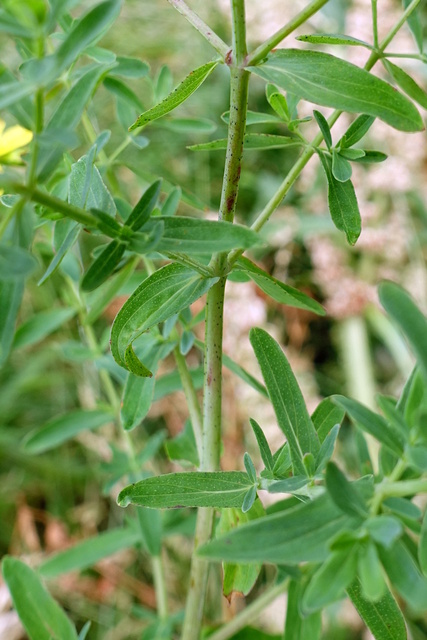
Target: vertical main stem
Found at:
212, 388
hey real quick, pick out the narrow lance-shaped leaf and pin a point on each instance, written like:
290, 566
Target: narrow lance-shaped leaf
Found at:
183, 91
251, 141
286, 398
342, 202
103, 266
332, 82
356, 130
297, 626
264, 449
145, 205
341, 168
332, 38
405, 575
198, 489
344, 493
326, 415
383, 618
10, 295
324, 127
42, 617
161, 295
330, 581
406, 83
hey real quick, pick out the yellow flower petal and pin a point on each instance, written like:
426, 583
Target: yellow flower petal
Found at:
14, 138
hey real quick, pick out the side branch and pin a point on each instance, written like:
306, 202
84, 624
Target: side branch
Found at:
201, 26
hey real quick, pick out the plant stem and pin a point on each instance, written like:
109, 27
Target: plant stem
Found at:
260, 52
212, 387
204, 29
250, 613
191, 397
375, 22
160, 587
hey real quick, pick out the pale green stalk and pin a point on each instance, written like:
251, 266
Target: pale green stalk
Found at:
204, 29
192, 400
212, 387
375, 22
260, 52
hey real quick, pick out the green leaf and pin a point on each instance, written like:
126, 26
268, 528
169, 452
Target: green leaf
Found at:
264, 449
183, 91
124, 96
326, 415
63, 428
90, 551
326, 449
385, 530
10, 301
249, 499
299, 534
250, 141
406, 83
103, 266
405, 575
161, 295
332, 82
332, 38
140, 214
197, 489
85, 32
393, 415
352, 154
342, 203
42, 617
130, 68
297, 626
193, 235
330, 581
276, 289
8, 24
87, 189
324, 128
15, 263
40, 326
422, 547
403, 310
344, 493
170, 205
383, 618
250, 468
183, 447
341, 168
286, 397
370, 572
144, 242
277, 101
356, 131
372, 423
238, 578
371, 157
254, 117
68, 242
85, 630
414, 23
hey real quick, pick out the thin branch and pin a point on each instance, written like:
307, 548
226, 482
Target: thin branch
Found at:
201, 26
260, 52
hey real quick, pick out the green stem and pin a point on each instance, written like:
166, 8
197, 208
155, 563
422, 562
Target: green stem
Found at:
238, 21
250, 613
204, 29
160, 587
404, 488
260, 52
192, 400
399, 24
375, 22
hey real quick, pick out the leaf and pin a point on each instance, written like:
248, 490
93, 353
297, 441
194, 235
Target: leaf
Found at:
356, 131
161, 295
170, 205
277, 101
130, 68
103, 266
264, 449
344, 493
193, 235
342, 203
40, 326
69, 240
140, 214
406, 83
249, 499
422, 547
405, 575
371, 157
383, 618
297, 626
326, 449
254, 117
288, 485
238, 578
370, 573
183, 91
403, 310
87, 188
299, 534
276, 289
10, 301
414, 23
88, 552
393, 415
42, 617
385, 530
372, 423
85, 32
341, 168
197, 489
182, 448
326, 415
324, 128
332, 38
286, 397
63, 428
15, 263
330, 581
250, 141
332, 82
